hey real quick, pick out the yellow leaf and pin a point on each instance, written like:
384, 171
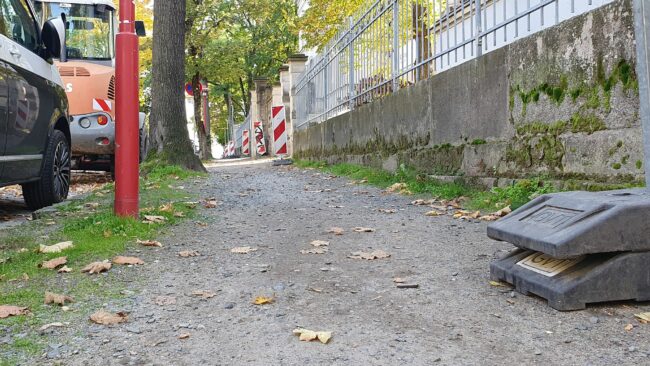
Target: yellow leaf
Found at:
498, 284
307, 335
262, 300
433, 214
643, 317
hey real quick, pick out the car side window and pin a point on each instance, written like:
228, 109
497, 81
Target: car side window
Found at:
18, 24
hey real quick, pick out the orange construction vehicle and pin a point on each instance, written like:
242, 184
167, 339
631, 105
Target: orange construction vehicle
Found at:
89, 78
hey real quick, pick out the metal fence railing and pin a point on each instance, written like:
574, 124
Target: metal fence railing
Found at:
391, 44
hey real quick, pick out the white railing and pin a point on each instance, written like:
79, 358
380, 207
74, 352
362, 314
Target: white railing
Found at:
392, 44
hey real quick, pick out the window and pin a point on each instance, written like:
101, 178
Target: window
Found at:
17, 23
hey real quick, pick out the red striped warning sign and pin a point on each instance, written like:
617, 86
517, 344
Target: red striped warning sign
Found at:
102, 105
259, 139
280, 131
245, 145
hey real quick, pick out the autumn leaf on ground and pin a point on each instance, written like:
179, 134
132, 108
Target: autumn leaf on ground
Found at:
397, 187
629, 327
497, 215
97, 267
205, 294
184, 336
65, 269
433, 213
52, 298
131, 261
242, 250
363, 230
210, 203
150, 243
179, 214
105, 318
377, 254
56, 248
167, 207
9, 310
422, 202
498, 284
336, 231
263, 300
321, 250
307, 335
91, 205
191, 205
188, 253
164, 300
54, 263
51, 325
399, 280
643, 317
387, 210
320, 243
151, 219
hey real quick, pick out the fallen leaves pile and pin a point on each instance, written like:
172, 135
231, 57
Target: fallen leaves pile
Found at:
307, 335
453, 208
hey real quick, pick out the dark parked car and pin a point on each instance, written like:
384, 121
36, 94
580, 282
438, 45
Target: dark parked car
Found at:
34, 127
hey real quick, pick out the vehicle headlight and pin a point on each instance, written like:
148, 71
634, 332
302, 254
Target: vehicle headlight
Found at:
84, 123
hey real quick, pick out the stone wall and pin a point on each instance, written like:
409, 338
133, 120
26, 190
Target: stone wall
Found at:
562, 103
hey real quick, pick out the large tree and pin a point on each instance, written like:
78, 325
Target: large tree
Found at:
168, 134
322, 20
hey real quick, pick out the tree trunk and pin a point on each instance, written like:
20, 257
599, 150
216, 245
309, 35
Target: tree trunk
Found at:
205, 150
168, 124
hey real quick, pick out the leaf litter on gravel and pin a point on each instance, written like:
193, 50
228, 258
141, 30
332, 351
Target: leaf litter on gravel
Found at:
307, 335
336, 231
204, 294
360, 229
263, 300
152, 219
164, 300
320, 250
243, 250
320, 243
128, 261
97, 267
376, 254
189, 253
57, 299
149, 243
105, 318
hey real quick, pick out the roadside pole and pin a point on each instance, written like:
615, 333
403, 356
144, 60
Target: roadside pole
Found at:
206, 113
642, 25
126, 114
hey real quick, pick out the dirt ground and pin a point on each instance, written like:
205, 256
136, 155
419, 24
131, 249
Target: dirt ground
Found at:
454, 317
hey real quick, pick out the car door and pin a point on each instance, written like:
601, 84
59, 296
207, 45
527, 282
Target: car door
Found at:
30, 93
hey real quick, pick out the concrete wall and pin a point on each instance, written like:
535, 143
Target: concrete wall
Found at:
562, 103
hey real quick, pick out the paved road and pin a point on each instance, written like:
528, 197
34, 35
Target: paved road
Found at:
455, 317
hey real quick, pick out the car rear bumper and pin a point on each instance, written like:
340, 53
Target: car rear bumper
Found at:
94, 140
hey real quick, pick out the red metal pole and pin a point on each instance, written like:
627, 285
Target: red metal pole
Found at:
126, 114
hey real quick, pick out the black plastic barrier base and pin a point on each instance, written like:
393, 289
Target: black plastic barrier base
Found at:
571, 284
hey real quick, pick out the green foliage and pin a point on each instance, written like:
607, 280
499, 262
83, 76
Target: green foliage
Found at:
478, 142
639, 164
322, 20
518, 194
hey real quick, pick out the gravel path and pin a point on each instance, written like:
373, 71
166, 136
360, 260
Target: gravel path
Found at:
455, 317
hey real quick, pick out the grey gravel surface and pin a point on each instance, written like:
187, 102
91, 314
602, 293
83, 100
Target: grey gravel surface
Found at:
454, 316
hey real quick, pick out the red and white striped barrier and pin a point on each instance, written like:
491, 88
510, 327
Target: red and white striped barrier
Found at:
245, 145
231, 148
102, 105
259, 139
280, 131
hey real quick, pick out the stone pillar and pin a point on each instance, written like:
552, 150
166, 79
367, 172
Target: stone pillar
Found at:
297, 65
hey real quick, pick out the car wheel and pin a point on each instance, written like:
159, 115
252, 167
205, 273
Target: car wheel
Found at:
54, 183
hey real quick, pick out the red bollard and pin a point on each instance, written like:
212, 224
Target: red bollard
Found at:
127, 148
